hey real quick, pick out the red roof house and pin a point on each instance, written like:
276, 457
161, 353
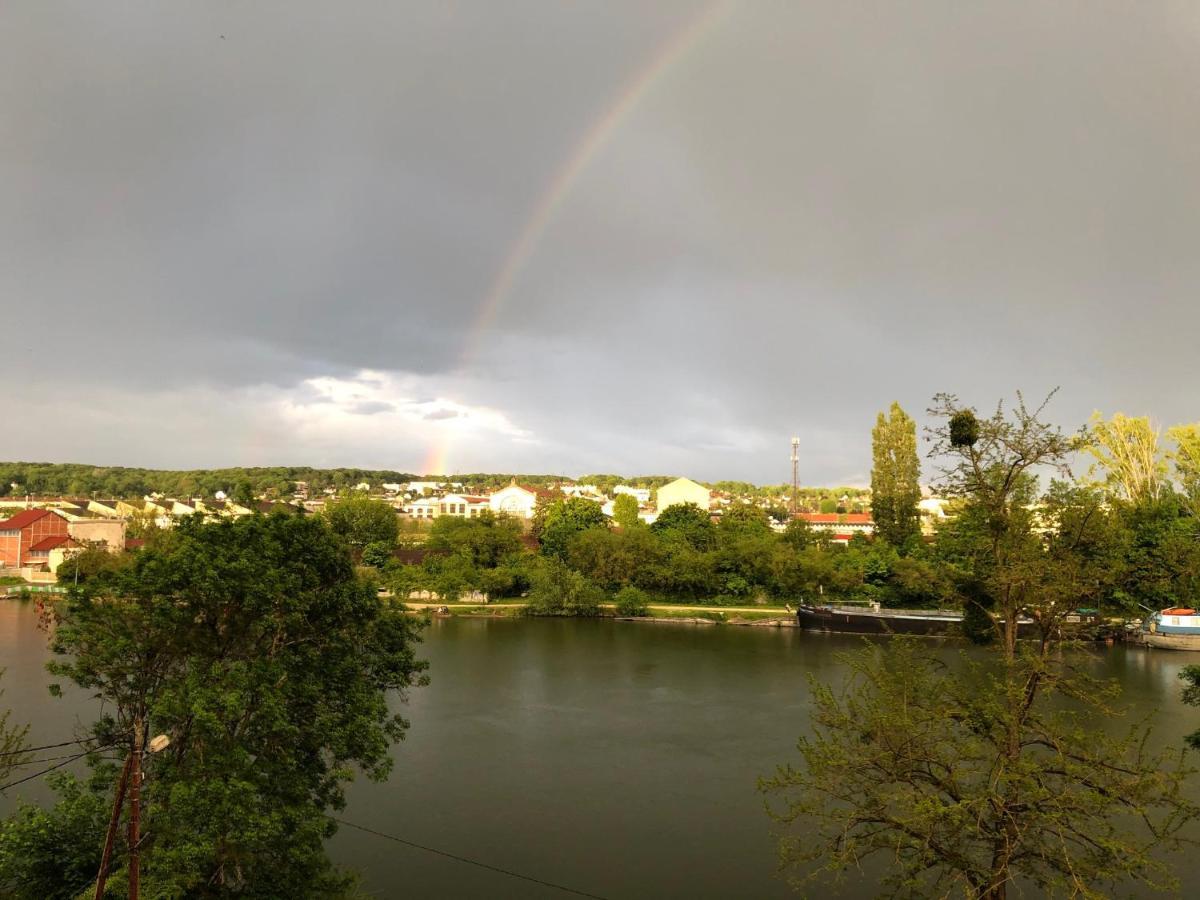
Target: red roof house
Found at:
24, 538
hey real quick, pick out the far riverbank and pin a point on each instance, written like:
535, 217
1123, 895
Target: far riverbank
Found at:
696, 614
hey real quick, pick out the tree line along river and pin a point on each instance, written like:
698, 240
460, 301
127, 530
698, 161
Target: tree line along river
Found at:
616, 758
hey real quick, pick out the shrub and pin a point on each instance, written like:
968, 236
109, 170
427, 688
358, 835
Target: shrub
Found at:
631, 601
559, 591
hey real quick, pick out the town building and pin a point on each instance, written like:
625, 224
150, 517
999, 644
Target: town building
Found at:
683, 490
464, 506
518, 501
424, 508
933, 514
27, 537
641, 495
843, 526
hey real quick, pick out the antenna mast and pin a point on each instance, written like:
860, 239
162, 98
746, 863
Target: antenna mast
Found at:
795, 475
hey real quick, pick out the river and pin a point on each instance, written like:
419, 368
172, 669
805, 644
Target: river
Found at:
616, 758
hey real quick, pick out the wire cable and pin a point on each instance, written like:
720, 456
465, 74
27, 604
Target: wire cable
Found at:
47, 747
67, 761
45, 759
470, 862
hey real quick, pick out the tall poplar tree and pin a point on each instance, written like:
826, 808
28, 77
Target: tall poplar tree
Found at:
895, 477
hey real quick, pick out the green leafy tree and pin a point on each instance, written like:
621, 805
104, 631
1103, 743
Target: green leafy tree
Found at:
1160, 553
378, 553
566, 518
614, 559
243, 494
625, 511
486, 540
1126, 455
48, 854
688, 523
970, 780
799, 534
1186, 461
271, 666
895, 477
740, 520
557, 590
88, 563
359, 521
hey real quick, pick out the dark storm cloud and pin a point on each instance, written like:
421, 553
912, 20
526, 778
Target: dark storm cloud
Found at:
814, 210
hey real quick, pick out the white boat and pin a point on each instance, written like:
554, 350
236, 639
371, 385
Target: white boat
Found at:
1177, 628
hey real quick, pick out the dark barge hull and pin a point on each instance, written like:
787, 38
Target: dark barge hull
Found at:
850, 621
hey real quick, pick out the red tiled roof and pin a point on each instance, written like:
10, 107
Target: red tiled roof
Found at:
540, 492
134, 543
837, 518
50, 543
24, 519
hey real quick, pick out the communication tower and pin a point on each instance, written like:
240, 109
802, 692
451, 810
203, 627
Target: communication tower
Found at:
795, 475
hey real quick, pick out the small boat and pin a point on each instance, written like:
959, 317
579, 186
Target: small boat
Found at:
1177, 628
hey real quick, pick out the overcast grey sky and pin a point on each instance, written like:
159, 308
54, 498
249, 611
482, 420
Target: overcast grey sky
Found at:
263, 233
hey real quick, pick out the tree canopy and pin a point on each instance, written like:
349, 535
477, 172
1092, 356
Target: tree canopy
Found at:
688, 523
360, 521
625, 511
563, 519
895, 477
254, 646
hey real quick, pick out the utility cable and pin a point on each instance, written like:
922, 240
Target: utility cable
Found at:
47, 747
470, 862
67, 761
45, 759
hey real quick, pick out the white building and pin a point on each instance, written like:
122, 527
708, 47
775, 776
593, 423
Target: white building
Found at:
424, 508
463, 506
683, 490
933, 514
517, 500
641, 495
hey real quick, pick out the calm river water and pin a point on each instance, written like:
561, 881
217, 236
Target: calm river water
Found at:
617, 758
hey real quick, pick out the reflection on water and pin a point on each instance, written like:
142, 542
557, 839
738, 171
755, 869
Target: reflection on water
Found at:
619, 758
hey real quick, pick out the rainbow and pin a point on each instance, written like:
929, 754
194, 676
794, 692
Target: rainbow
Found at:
559, 188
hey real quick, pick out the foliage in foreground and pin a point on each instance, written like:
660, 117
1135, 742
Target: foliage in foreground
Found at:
12, 742
909, 767
268, 663
970, 783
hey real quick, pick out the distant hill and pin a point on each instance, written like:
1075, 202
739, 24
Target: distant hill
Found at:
120, 482
81, 480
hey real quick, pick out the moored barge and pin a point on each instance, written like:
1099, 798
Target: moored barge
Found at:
873, 620
1177, 628
877, 620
